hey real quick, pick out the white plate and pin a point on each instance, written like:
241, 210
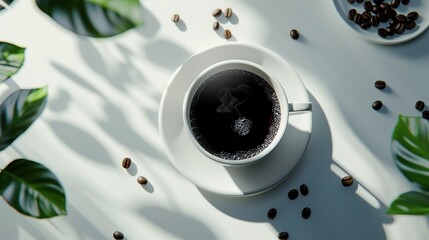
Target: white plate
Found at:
342, 7
210, 175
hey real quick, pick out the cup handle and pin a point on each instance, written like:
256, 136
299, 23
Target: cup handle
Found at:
300, 107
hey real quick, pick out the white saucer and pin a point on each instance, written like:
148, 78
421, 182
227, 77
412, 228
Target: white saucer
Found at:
342, 7
210, 175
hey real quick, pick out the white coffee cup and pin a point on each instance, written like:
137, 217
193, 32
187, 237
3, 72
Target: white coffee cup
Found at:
285, 107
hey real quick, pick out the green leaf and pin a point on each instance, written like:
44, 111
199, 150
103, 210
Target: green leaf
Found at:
412, 203
11, 59
94, 18
410, 149
7, 2
32, 189
18, 112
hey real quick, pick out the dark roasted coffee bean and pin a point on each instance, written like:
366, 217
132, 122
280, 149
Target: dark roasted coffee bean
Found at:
400, 28
227, 34
126, 163
175, 18
293, 194
217, 12
412, 16
405, 2
395, 3
347, 181
303, 189
377, 105
358, 18
375, 21
272, 213
118, 235
376, 9
352, 13
228, 12
367, 6
380, 84
366, 16
365, 25
294, 34
383, 17
351, 1
401, 18
390, 30
393, 22
384, 6
410, 25
425, 114
378, 1
283, 235
382, 32
216, 25
420, 105
142, 180
306, 212
390, 12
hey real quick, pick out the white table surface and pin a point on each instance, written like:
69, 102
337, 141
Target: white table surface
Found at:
104, 99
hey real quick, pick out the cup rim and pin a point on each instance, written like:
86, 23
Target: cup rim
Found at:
257, 69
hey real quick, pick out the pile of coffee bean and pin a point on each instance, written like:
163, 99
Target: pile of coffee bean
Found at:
378, 11
228, 13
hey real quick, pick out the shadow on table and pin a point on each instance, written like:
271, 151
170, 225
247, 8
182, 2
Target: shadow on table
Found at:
337, 211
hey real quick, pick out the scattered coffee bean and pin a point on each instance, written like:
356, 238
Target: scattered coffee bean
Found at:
303, 189
228, 12
410, 25
366, 16
126, 163
393, 22
365, 25
293, 194
367, 6
382, 32
216, 25
425, 114
227, 34
217, 12
380, 84
412, 16
306, 212
376, 9
175, 18
283, 235
142, 180
347, 181
375, 21
400, 28
420, 105
352, 13
358, 18
390, 30
405, 2
401, 18
272, 213
383, 17
384, 5
377, 105
395, 3
294, 34
390, 12
118, 235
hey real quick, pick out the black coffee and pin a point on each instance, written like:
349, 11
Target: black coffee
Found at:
235, 114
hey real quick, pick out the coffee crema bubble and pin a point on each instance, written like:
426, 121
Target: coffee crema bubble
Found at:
234, 114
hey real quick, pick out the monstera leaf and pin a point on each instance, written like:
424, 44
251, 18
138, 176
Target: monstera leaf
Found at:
5, 2
94, 18
410, 149
32, 189
11, 59
18, 112
412, 203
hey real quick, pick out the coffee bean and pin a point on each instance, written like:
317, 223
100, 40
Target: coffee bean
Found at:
283, 235
352, 13
384, 6
395, 3
412, 16
382, 32
303, 189
293, 194
405, 2
378, 1
425, 114
390, 30
118, 235
393, 22
351, 1
390, 12
367, 6
347, 181
306, 212
375, 21
126, 163
175, 18
365, 25
376, 9
401, 18
216, 25
294, 34
400, 28
377, 105
142, 180
358, 18
420, 105
366, 16
410, 25
227, 34
380, 84
217, 12
271, 214
228, 12
383, 17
